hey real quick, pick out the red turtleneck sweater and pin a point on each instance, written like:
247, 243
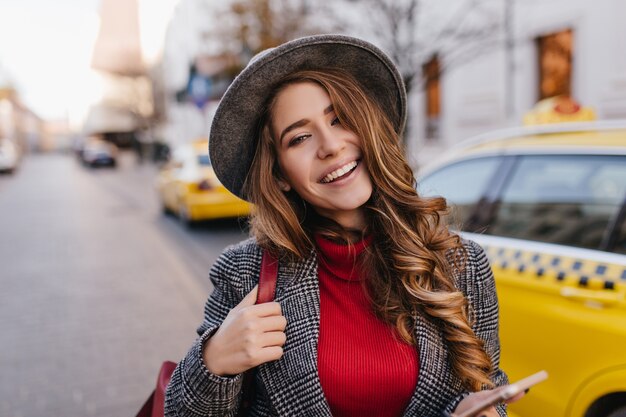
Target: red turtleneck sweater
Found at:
364, 369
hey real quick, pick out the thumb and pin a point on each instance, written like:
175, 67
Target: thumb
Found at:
517, 397
250, 298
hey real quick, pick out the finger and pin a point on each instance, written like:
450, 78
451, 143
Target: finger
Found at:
273, 323
269, 339
516, 397
267, 309
250, 298
487, 412
270, 353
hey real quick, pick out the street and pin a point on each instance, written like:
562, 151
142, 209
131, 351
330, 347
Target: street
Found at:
98, 287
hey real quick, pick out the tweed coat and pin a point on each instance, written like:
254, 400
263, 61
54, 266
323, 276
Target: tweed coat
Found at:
291, 386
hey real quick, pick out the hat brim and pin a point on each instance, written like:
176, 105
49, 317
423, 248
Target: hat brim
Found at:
234, 130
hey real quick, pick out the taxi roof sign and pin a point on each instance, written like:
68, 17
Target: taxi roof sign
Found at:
559, 109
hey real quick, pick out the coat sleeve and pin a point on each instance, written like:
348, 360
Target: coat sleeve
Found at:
193, 390
478, 283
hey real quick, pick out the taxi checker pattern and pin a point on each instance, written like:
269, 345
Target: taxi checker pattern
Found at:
586, 273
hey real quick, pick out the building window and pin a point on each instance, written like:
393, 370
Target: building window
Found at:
431, 72
555, 64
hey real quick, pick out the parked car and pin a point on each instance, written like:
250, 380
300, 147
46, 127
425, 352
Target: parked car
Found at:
97, 152
548, 204
188, 187
9, 156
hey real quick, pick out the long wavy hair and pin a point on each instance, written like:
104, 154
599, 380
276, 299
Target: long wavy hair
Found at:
413, 257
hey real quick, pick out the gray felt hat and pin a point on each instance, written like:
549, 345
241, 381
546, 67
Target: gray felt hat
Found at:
235, 128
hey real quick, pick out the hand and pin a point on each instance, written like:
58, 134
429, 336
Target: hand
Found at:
250, 335
477, 397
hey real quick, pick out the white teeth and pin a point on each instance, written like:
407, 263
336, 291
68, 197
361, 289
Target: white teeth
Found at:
339, 172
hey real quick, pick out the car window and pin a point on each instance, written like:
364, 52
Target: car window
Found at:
462, 183
203, 160
620, 243
567, 200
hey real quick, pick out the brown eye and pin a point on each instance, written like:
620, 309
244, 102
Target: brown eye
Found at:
298, 139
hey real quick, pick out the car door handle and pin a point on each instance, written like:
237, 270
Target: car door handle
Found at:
592, 297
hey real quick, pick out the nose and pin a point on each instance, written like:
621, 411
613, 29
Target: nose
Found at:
330, 142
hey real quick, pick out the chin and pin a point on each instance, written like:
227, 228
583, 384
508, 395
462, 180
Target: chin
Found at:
354, 204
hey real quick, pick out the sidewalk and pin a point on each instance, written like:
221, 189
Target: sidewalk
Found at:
92, 298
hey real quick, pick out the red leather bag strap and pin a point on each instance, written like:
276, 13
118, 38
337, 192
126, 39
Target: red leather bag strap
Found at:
265, 294
165, 374
267, 278
153, 407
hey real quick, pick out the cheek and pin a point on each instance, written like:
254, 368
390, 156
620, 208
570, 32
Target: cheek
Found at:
294, 169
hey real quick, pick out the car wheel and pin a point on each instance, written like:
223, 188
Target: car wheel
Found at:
620, 412
165, 210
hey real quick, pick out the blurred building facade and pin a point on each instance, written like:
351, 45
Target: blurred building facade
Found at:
18, 123
191, 59
207, 44
124, 112
552, 47
541, 49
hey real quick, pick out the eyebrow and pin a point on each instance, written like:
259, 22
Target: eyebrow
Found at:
301, 123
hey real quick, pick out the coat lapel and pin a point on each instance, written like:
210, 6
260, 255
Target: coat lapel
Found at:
292, 383
435, 384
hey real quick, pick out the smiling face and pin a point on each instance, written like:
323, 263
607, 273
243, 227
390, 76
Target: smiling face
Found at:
320, 159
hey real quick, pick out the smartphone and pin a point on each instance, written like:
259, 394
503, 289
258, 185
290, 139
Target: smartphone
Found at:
509, 391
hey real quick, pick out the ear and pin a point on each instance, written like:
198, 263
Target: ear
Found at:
283, 185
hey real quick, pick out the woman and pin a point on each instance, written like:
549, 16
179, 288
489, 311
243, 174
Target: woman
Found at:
379, 309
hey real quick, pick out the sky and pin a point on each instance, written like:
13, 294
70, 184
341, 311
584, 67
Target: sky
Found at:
46, 48
45, 51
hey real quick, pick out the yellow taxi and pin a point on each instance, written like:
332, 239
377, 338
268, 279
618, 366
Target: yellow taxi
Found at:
187, 186
548, 204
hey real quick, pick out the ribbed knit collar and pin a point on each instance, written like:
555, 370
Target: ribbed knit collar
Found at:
341, 260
